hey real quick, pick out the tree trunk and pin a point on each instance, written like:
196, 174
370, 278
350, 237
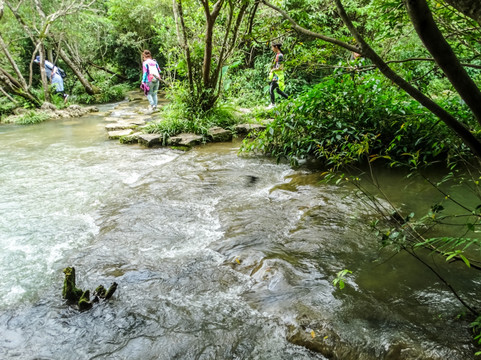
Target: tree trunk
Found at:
209, 31
12, 62
43, 74
182, 38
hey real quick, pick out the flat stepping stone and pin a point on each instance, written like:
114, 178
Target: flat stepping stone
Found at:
122, 113
118, 126
138, 118
130, 139
185, 139
113, 135
150, 140
218, 134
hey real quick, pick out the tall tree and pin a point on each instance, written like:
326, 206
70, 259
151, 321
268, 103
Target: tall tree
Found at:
222, 22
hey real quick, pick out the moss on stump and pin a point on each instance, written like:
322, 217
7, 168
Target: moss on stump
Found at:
81, 298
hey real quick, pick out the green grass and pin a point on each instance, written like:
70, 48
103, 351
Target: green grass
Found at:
29, 118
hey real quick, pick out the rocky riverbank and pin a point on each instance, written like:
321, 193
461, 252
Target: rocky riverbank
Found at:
49, 111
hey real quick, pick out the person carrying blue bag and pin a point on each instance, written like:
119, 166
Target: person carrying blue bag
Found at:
55, 75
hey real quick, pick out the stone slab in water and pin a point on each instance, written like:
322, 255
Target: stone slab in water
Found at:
118, 126
218, 134
122, 113
150, 139
130, 139
185, 139
117, 134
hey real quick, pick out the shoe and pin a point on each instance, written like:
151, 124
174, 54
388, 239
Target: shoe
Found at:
271, 106
65, 99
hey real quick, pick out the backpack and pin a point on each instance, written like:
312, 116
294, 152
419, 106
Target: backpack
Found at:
60, 71
152, 70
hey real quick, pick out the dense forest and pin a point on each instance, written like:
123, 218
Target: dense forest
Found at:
411, 99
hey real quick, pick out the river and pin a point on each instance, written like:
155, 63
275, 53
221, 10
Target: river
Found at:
216, 256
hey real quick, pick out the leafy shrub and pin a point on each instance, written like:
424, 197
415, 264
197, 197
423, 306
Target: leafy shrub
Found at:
6, 106
108, 93
349, 116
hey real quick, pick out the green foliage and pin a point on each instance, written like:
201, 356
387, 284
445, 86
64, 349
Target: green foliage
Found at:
109, 92
248, 86
6, 107
340, 278
134, 25
350, 116
476, 328
184, 105
179, 116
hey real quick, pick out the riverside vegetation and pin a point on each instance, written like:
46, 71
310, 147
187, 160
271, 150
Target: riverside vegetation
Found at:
411, 101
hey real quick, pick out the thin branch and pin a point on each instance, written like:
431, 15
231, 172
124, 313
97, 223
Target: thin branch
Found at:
429, 59
311, 33
7, 94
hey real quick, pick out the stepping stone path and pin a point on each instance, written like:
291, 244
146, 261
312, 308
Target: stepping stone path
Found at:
127, 120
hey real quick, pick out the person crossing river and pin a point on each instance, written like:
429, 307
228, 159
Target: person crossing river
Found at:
276, 76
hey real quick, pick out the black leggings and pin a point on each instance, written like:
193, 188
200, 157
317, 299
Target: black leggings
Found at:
275, 86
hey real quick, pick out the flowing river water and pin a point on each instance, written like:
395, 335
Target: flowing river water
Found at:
217, 256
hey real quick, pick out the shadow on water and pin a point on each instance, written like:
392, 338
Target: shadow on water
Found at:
216, 256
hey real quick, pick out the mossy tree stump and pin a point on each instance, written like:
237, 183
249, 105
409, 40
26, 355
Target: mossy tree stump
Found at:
81, 298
